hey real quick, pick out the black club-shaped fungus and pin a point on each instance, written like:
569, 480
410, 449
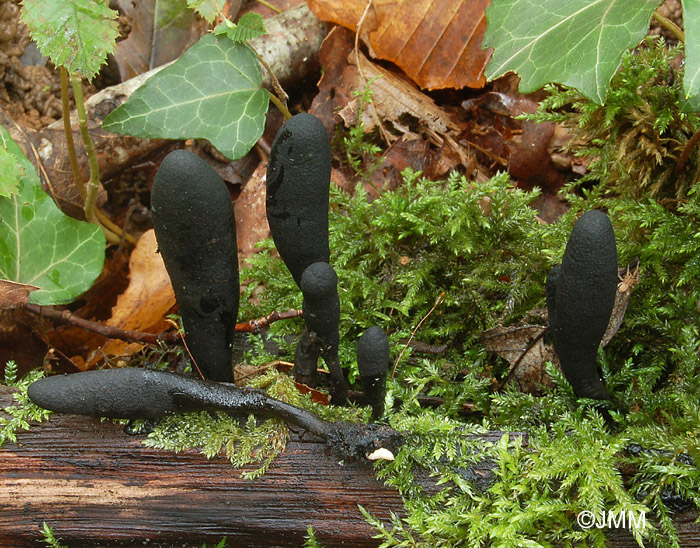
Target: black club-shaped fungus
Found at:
321, 306
196, 232
373, 359
580, 299
298, 183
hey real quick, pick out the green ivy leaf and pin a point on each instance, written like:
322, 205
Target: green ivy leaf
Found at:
212, 92
10, 173
691, 78
40, 245
208, 9
75, 34
578, 43
249, 26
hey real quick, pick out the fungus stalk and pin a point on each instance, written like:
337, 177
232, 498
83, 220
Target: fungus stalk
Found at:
298, 185
373, 360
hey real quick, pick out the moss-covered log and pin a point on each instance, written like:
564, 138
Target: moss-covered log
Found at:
96, 486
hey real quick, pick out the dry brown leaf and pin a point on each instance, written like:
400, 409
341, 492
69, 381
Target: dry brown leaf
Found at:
394, 97
147, 299
436, 42
525, 350
161, 31
14, 294
251, 220
629, 277
335, 87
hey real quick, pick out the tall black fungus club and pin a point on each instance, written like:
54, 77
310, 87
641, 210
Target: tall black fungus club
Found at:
373, 359
580, 299
298, 185
196, 232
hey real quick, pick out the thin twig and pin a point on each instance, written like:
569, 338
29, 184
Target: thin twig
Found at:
438, 302
67, 317
170, 337
194, 362
255, 326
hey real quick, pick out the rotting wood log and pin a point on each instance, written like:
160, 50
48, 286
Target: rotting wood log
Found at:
96, 486
290, 47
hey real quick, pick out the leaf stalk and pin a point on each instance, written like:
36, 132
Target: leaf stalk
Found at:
93, 183
113, 233
670, 26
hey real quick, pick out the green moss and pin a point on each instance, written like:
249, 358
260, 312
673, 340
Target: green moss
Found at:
310, 540
22, 412
49, 538
396, 255
481, 245
635, 141
246, 442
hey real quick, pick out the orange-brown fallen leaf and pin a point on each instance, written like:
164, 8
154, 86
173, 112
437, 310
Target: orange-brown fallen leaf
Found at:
147, 299
436, 42
251, 221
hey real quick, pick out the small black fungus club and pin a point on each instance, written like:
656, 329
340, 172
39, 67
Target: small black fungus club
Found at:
580, 299
196, 233
321, 307
373, 359
298, 186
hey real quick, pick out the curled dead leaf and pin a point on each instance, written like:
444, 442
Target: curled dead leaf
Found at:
629, 277
14, 294
394, 97
524, 348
